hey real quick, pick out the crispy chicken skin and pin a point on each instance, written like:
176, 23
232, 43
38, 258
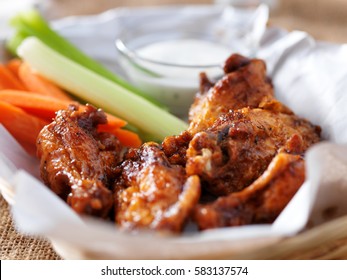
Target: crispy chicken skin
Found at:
175, 147
261, 202
77, 162
152, 193
239, 146
244, 85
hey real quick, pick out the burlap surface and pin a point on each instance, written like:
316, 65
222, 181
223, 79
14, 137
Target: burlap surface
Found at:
327, 21
15, 246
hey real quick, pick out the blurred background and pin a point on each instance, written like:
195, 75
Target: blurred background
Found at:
323, 19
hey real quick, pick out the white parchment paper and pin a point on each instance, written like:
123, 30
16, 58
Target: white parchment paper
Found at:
310, 77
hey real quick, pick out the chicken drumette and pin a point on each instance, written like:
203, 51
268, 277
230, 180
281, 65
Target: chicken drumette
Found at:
239, 146
77, 162
245, 84
261, 202
152, 193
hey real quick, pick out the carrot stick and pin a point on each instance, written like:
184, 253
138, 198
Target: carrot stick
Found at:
8, 80
126, 137
45, 107
38, 105
13, 65
24, 127
113, 122
40, 85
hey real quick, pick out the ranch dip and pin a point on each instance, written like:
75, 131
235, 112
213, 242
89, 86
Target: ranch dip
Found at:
169, 70
185, 52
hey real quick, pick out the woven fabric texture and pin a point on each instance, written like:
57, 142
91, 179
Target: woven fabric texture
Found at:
16, 246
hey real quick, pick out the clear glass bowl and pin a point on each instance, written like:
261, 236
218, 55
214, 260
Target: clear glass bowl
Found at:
174, 79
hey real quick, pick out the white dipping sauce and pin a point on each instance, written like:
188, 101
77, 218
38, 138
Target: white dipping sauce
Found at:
177, 84
185, 52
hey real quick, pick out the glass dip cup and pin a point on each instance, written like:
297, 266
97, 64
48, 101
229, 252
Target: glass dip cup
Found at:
166, 63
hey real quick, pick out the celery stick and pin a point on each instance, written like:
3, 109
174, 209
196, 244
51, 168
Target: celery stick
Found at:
15, 41
99, 91
31, 23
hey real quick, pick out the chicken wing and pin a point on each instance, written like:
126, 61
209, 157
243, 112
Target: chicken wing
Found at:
152, 193
261, 202
244, 85
77, 162
239, 146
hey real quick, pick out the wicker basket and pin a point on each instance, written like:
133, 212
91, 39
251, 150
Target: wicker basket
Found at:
327, 241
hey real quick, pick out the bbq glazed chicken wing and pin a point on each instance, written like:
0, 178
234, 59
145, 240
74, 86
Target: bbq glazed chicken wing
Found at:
261, 202
151, 193
239, 146
77, 162
244, 85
